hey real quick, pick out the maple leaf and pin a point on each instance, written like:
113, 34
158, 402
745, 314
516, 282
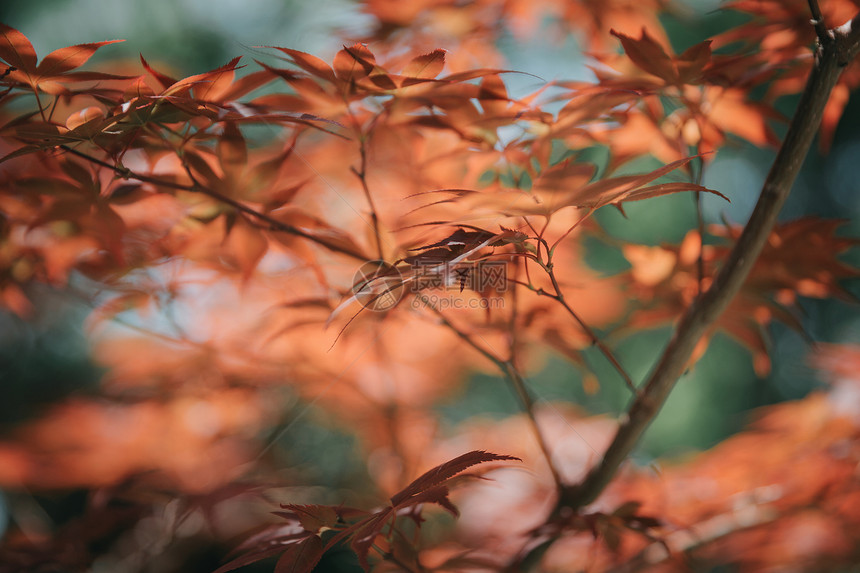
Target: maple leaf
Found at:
800, 258
352, 64
649, 56
426, 66
55, 69
705, 105
71, 192
459, 240
443, 473
428, 488
778, 38
303, 550
299, 552
566, 184
213, 94
150, 193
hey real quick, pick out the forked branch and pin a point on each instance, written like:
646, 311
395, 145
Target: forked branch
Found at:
509, 371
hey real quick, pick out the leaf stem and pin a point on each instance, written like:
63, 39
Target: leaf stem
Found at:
361, 173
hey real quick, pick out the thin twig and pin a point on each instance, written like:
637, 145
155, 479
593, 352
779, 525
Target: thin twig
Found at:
361, 173
564, 235
700, 225
519, 384
516, 379
558, 296
684, 541
528, 404
274, 224
463, 336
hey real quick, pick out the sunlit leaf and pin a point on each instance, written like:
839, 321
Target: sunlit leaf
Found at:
354, 63
427, 66
66, 59
649, 55
309, 63
17, 50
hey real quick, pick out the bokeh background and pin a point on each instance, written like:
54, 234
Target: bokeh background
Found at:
46, 359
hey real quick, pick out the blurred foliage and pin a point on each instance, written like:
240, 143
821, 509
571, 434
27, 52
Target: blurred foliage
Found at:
47, 362
43, 360
47, 359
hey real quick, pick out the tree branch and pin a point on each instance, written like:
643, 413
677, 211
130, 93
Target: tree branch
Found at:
509, 371
595, 340
841, 46
273, 223
558, 296
818, 21
361, 173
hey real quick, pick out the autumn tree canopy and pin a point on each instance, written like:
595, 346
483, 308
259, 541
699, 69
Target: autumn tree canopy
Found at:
290, 264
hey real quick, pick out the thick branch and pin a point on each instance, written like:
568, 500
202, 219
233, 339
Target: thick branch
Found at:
841, 47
